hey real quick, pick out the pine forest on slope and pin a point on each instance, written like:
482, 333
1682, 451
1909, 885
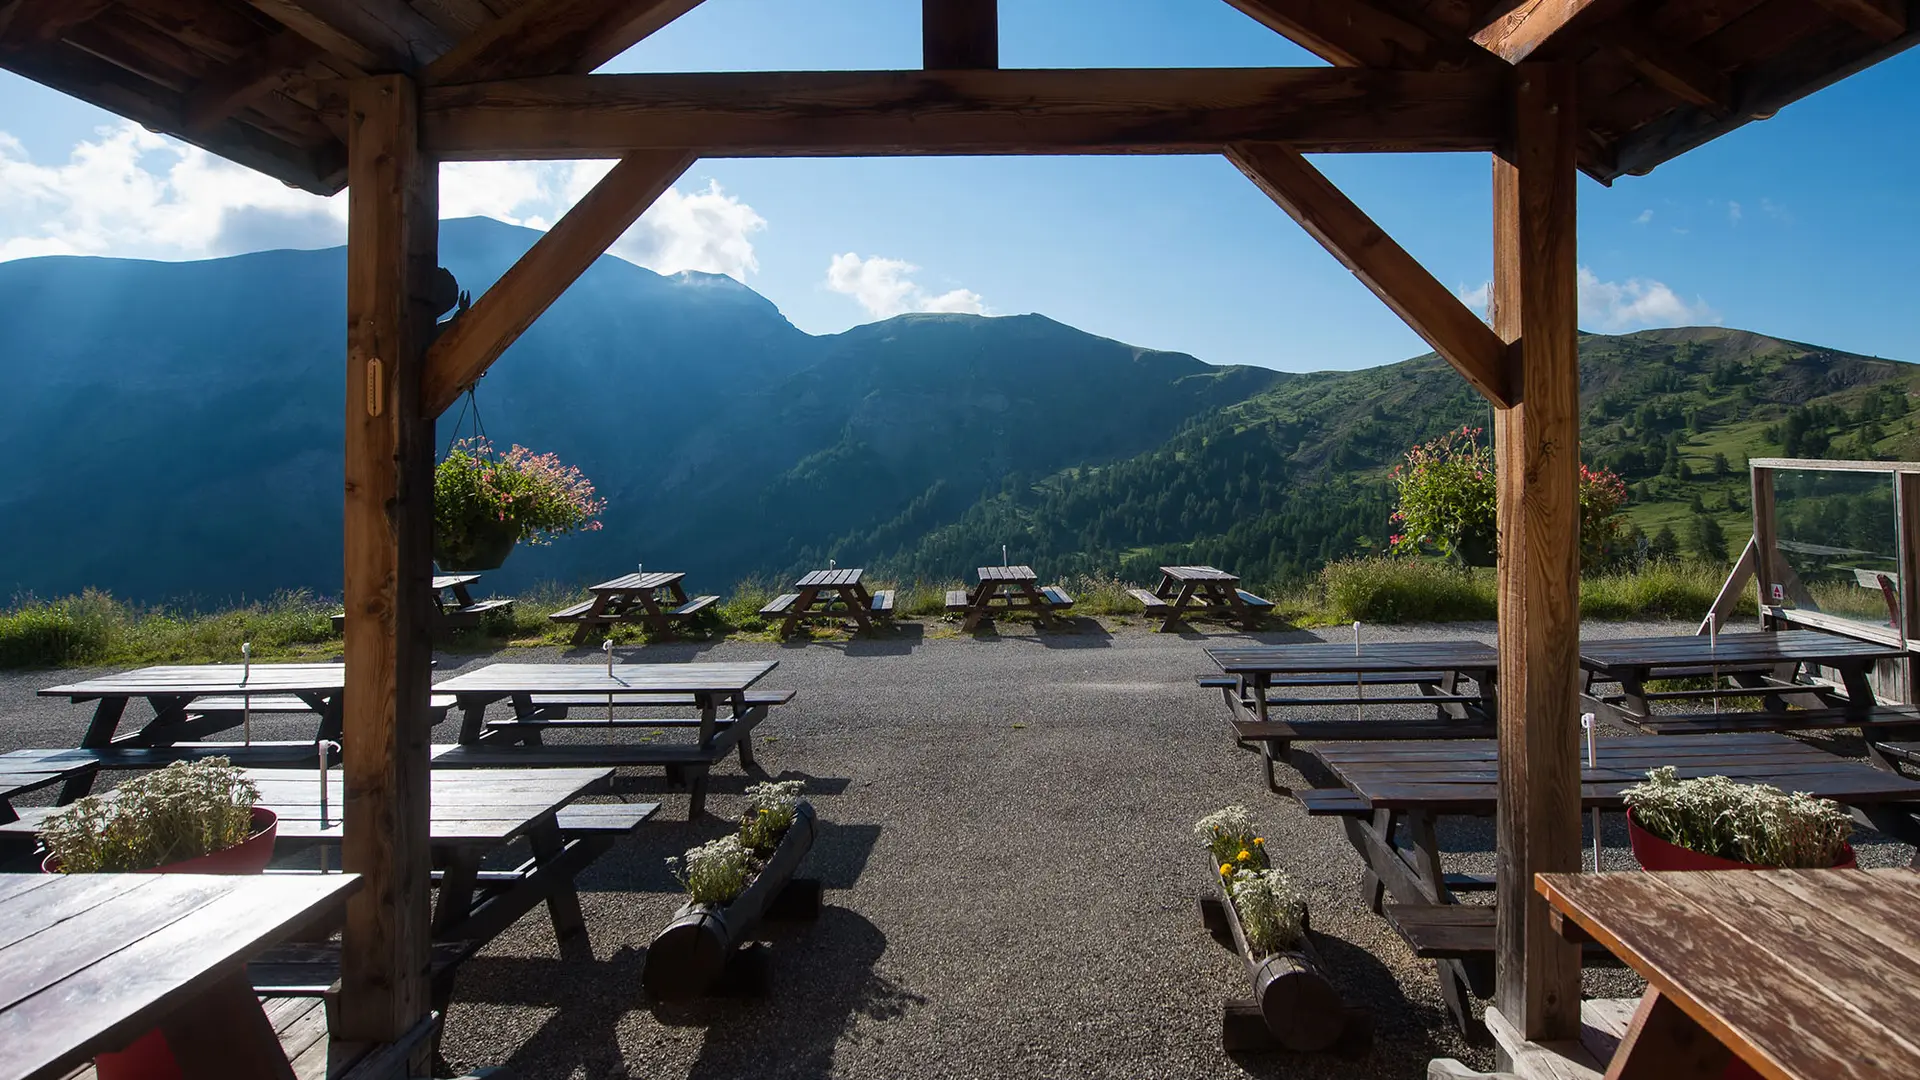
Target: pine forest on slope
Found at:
181, 423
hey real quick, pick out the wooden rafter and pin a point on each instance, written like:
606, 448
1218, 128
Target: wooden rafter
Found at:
374, 35
792, 114
35, 22
1382, 265
477, 337
958, 34
1548, 27
1357, 33
551, 37
1670, 67
1884, 20
258, 73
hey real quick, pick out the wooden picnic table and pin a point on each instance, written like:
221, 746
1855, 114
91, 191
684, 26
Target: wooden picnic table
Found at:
1007, 588
1390, 788
1259, 678
1759, 664
454, 605
1185, 590
542, 697
653, 598
830, 593
93, 961
1801, 974
190, 702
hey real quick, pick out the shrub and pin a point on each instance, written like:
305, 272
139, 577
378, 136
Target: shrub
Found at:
715, 872
770, 809
1659, 589
1749, 823
741, 611
1102, 594
47, 634
183, 811
1232, 839
1406, 590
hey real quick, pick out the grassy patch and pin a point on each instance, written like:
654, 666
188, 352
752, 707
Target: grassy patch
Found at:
94, 628
1391, 590
1663, 590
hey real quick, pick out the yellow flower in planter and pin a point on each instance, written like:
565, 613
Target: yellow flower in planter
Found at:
1244, 855
1226, 869
1259, 840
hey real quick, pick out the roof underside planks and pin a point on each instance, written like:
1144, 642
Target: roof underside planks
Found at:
257, 80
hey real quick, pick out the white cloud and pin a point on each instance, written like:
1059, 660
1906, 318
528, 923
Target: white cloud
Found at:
883, 287
1613, 307
1733, 212
1645, 216
130, 193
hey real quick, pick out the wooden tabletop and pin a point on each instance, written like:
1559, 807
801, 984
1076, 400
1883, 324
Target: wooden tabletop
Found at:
1458, 776
592, 678
1380, 658
196, 679
823, 578
1804, 974
1007, 573
448, 581
1198, 573
652, 579
89, 961
1782, 646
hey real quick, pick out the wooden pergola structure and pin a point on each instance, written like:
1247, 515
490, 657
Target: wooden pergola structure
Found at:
374, 94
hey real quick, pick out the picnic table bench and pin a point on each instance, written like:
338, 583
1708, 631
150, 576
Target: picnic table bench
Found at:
725, 706
454, 606
1187, 590
1392, 793
654, 599
472, 816
1768, 665
1256, 679
1006, 588
830, 593
94, 961
1801, 974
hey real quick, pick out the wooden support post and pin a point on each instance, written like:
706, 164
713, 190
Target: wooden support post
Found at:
1907, 513
1537, 447
1765, 537
392, 245
957, 34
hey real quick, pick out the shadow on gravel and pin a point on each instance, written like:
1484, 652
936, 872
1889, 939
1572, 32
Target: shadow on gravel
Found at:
1401, 1030
821, 983
898, 640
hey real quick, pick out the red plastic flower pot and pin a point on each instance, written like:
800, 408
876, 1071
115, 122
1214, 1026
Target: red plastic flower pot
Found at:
149, 1057
1657, 854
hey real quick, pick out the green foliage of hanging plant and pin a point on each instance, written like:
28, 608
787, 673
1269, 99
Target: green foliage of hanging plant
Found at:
1447, 499
183, 811
483, 498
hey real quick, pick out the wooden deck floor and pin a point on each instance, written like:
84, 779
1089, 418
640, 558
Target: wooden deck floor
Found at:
301, 1024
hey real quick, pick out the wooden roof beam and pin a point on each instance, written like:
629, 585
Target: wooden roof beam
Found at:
477, 337
1550, 28
1356, 33
1883, 20
552, 37
959, 34
1670, 67
32, 22
889, 113
1382, 265
374, 35
248, 79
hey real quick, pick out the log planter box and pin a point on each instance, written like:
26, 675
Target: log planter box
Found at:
692, 956
1293, 1006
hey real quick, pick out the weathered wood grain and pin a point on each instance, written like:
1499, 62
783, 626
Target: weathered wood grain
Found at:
964, 112
548, 37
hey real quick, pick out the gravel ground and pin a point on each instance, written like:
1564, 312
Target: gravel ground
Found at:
1011, 878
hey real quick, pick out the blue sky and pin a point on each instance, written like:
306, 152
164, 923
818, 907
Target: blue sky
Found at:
1806, 226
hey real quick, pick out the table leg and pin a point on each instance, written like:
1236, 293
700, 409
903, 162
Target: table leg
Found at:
106, 720
1042, 611
563, 903
978, 608
1664, 1043
453, 904
808, 597
860, 603
697, 783
1181, 604
1860, 697
224, 1032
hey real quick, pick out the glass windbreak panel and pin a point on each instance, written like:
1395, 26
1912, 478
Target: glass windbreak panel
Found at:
1839, 536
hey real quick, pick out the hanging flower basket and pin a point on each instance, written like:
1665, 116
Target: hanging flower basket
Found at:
486, 502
